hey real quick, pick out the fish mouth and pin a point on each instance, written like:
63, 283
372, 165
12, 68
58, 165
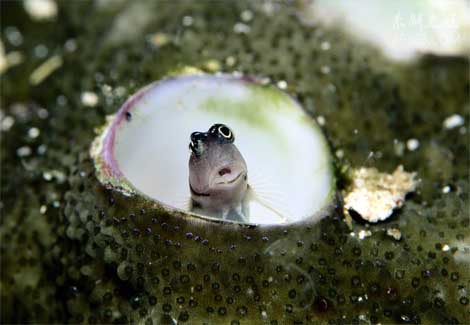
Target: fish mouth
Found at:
195, 193
233, 180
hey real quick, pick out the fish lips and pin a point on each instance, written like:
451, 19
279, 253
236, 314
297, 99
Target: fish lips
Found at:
227, 176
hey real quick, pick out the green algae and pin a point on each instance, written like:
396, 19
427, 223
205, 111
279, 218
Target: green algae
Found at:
87, 258
250, 111
253, 111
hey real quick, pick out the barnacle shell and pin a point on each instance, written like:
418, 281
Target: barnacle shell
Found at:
143, 151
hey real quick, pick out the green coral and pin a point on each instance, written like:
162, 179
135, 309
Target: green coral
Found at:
72, 251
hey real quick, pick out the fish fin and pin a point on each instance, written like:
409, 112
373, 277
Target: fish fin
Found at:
225, 214
271, 202
258, 180
268, 194
265, 188
242, 213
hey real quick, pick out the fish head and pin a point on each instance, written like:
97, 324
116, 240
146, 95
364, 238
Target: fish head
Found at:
216, 166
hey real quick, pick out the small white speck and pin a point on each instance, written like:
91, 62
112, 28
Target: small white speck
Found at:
241, 28
264, 315
107, 90
42, 209
321, 120
282, 84
325, 46
47, 176
399, 147
246, 15
14, 36
20, 111
33, 133
89, 99
394, 232
212, 65
237, 73
41, 9
23, 151
412, 144
265, 81
7, 123
445, 248
268, 7
352, 234
187, 21
60, 176
61, 100
453, 121
364, 233
41, 149
446, 189
355, 131
120, 91
339, 153
230, 61
70, 45
56, 204
10, 59
325, 69
43, 113
41, 51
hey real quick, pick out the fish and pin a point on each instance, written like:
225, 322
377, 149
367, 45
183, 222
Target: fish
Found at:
218, 177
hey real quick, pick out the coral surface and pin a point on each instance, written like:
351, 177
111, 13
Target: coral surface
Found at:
72, 251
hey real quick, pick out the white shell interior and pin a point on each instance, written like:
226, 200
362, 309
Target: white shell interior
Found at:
288, 161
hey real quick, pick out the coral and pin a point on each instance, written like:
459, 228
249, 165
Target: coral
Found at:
72, 251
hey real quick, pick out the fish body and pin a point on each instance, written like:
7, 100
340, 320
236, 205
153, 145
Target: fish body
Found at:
218, 175
218, 180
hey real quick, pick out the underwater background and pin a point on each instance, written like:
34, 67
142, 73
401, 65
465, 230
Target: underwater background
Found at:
73, 252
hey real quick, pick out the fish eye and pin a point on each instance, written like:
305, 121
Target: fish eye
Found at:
192, 147
194, 144
214, 129
196, 136
225, 132
196, 149
222, 132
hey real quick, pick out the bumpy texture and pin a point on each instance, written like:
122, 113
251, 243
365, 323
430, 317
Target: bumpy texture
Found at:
74, 252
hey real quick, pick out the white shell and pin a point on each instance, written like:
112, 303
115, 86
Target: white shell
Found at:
289, 165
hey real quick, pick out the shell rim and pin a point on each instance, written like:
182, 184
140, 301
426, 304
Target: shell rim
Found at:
111, 177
